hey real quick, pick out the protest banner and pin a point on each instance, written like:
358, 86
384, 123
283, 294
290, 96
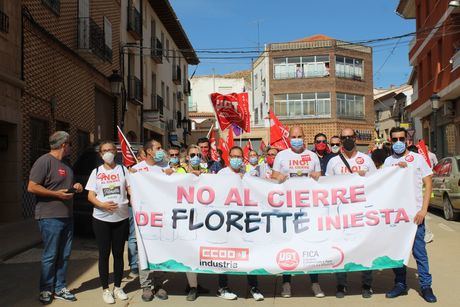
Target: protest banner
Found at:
225, 224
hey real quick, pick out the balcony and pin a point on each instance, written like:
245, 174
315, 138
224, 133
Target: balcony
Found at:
171, 125
134, 89
4, 22
187, 88
91, 42
156, 52
177, 75
157, 104
154, 118
134, 21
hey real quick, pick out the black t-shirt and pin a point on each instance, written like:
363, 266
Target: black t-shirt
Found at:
52, 174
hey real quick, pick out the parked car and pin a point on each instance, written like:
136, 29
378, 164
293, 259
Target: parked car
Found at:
446, 187
83, 209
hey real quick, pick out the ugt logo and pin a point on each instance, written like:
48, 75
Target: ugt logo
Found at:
287, 259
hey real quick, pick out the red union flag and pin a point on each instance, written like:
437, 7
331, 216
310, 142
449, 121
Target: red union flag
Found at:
232, 108
247, 149
424, 151
126, 151
213, 144
278, 133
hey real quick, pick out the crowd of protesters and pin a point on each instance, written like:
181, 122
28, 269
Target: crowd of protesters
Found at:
52, 181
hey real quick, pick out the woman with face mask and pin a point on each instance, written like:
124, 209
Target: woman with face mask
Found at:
253, 167
107, 190
266, 167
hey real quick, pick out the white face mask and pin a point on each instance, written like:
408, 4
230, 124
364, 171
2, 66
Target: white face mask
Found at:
108, 157
335, 149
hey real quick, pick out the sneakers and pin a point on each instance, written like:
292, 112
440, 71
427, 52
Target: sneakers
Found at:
286, 290
226, 294
341, 292
147, 294
255, 292
428, 295
161, 294
107, 296
317, 290
192, 294
46, 297
120, 294
398, 290
64, 294
366, 292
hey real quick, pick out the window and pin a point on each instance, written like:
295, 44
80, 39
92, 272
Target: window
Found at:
256, 81
83, 141
53, 5
62, 126
301, 67
153, 30
167, 49
167, 97
108, 38
163, 90
350, 106
303, 105
163, 43
39, 138
349, 68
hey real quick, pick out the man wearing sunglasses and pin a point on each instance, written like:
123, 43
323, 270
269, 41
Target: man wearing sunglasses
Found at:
174, 160
347, 162
404, 158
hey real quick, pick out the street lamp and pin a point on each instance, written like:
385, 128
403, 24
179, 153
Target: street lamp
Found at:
434, 107
116, 83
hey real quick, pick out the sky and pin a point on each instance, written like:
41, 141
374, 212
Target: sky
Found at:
223, 25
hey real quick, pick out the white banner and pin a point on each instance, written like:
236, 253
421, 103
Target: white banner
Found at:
222, 224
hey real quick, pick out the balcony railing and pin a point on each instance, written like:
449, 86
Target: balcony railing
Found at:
156, 51
134, 21
177, 75
187, 88
54, 5
134, 89
4, 22
91, 38
157, 104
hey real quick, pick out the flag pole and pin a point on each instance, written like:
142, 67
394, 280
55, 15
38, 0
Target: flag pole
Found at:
209, 132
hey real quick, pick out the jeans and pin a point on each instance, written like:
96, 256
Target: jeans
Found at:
366, 279
57, 236
314, 278
421, 257
132, 243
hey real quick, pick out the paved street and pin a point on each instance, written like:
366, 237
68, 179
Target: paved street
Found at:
19, 279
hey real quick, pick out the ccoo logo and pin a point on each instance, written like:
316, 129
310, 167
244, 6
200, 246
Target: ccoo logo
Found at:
287, 259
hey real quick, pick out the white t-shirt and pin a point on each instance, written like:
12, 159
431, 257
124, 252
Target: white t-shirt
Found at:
360, 162
413, 160
433, 159
265, 171
145, 167
110, 185
294, 164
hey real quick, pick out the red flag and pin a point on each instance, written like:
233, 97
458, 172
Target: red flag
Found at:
223, 146
127, 153
230, 141
247, 149
213, 145
232, 108
424, 151
278, 133
262, 146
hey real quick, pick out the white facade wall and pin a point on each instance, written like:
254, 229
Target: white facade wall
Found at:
202, 87
260, 79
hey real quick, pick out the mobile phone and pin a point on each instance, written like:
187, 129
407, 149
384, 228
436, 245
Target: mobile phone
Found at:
71, 190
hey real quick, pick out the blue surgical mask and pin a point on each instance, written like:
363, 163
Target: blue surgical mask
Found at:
253, 160
296, 143
159, 156
399, 147
236, 163
174, 160
195, 161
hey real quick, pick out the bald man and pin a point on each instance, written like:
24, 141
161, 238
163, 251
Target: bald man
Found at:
347, 162
297, 161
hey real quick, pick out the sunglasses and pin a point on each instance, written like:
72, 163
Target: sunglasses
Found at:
193, 155
401, 138
335, 144
174, 155
346, 137
321, 141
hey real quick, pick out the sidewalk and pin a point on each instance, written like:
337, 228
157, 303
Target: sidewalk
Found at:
18, 237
